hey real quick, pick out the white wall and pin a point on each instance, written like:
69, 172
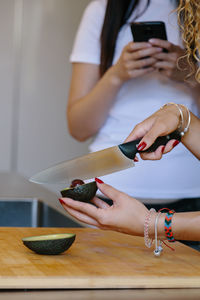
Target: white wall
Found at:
6, 81
36, 38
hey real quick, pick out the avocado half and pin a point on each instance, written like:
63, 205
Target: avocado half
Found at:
50, 244
84, 192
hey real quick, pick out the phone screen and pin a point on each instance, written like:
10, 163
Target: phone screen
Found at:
143, 31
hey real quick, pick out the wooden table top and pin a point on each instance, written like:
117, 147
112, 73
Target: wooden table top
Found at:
130, 294
97, 260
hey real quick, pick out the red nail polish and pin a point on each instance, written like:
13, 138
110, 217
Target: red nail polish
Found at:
175, 143
98, 180
61, 201
141, 146
163, 149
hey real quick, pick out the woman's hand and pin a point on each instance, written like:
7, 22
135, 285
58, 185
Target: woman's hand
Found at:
167, 63
126, 215
136, 60
162, 122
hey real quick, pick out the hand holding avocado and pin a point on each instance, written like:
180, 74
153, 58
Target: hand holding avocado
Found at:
125, 215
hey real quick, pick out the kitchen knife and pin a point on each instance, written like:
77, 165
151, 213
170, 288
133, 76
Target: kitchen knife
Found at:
98, 163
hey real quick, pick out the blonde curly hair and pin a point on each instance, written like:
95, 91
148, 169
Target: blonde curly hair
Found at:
189, 21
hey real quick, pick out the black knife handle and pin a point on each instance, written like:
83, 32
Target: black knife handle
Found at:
130, 149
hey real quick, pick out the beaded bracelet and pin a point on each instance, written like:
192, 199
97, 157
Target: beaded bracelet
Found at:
147, 240
168, 226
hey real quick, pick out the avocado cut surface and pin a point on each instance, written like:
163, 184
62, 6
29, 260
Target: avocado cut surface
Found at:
84, 192
51, 244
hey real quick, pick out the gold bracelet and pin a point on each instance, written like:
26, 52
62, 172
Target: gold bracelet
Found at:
188, 121
182, 128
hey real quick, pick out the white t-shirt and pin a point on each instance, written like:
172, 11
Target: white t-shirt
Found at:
177, 174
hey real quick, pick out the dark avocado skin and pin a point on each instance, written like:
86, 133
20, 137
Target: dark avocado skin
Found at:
83, 193
50, 247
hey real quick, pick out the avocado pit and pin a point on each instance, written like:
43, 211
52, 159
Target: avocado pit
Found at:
76, 182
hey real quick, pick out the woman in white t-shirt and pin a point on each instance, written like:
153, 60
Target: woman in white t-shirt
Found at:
117, 83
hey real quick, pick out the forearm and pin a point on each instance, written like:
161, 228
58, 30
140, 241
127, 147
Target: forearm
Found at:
194, 87
185, 226
91, 97
87, 115
191, 139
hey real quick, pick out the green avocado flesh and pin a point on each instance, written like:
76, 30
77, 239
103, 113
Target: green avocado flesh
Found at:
51, 244
84, 192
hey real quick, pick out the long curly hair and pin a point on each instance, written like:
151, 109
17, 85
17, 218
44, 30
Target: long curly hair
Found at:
189, 21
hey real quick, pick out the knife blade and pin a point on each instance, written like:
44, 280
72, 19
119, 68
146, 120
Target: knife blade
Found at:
97, 163
86, 167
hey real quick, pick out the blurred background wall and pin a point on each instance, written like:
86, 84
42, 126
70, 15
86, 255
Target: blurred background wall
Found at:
36, 38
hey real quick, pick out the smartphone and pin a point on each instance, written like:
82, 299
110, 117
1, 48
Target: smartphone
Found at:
144, 31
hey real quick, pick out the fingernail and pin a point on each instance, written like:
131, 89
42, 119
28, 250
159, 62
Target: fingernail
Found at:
163, 149
61, 201
98, 180
141, 146
175, 143
136, 159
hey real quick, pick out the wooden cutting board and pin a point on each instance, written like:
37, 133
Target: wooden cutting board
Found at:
97, 259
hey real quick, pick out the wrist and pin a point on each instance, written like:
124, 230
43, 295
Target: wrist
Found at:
182, 114
151, 225
160, 226
157, 228
115, 77
175, 110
